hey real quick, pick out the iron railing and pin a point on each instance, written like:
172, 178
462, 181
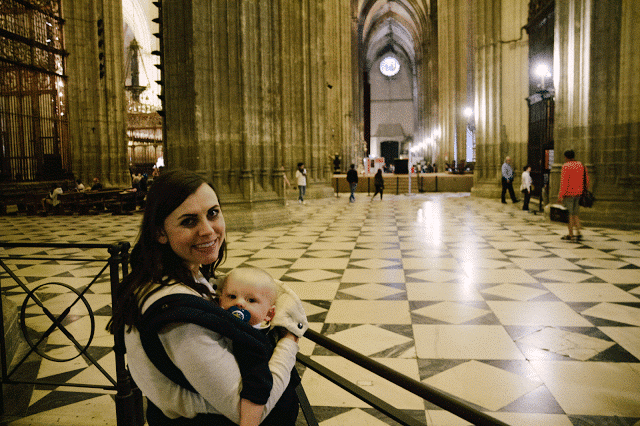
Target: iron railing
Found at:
128, 398
442, 399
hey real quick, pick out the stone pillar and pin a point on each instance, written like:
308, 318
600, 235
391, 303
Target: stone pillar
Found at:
501, 84
487, 31
244, 95
629, 102
250, 85
338, 54
97, 124
453, 45
598, 103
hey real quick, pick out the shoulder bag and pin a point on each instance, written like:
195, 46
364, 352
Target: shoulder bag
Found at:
586, 198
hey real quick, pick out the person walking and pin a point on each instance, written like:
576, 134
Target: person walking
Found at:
507, 181
352, 178
525, 186
378, 181
573, 180
301, 176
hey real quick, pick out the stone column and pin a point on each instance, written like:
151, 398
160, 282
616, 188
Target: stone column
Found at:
598, 103
251, 106
453, 45
97, 124
179, 86
488, 57
629, 90
338, 54
221, 111
501, 84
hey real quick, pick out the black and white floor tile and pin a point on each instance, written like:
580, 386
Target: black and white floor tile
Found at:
476, 298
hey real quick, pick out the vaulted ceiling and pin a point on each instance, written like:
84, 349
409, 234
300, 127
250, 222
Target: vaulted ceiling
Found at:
396, 26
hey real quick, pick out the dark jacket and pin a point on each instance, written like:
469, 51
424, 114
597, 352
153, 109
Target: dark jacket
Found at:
352, 176
378, 180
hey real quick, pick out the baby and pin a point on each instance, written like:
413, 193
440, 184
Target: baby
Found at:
251, 290
250, 294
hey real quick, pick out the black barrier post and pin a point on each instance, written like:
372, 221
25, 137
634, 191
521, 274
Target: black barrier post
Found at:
128, 405
3, 358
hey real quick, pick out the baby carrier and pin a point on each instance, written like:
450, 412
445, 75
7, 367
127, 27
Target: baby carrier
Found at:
252, 349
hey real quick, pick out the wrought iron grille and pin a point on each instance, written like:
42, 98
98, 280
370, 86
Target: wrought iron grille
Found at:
34, 137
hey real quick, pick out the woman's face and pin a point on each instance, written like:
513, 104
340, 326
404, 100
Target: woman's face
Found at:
195, 230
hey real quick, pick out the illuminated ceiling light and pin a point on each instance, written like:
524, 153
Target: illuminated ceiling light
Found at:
542, 70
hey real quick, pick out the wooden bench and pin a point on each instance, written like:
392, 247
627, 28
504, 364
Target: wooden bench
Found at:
12, 202
73, 203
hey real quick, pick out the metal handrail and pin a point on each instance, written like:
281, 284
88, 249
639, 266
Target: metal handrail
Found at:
442, 399
128, 398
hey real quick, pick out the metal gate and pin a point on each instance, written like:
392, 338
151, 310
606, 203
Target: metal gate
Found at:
34, 141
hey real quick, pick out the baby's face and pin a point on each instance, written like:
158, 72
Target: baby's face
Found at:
257, 298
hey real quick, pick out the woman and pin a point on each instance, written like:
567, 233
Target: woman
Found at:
378, 181
180, 245
573, 179
525, 186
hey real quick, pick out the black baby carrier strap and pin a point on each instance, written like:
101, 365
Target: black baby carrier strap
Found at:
251, 348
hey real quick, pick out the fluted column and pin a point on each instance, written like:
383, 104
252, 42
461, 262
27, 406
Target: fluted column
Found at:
250, 42
97, 124
338, 53
501, 84
487, 29
629, 103
598, 103
571, 70
453, 46
221, 112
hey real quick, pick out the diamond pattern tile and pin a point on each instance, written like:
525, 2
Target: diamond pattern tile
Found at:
478, 299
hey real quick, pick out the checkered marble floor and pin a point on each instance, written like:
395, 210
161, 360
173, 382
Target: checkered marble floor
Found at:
470, 296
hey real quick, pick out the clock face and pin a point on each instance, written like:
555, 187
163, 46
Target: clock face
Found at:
389, 66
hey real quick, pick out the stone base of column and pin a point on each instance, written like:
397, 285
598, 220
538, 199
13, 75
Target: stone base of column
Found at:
487, 190
609, 214
255, 215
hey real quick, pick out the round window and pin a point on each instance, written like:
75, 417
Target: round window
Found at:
389, 66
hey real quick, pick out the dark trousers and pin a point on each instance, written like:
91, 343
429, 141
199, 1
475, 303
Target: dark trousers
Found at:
379, 190
527, 197
507, 184
352, 197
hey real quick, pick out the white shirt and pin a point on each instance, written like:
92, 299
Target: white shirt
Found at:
526, 181
301, 177
54, 196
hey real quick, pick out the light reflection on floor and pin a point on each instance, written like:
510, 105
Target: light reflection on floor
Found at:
468, 295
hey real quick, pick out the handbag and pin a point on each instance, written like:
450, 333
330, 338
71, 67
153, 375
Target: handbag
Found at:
586, 198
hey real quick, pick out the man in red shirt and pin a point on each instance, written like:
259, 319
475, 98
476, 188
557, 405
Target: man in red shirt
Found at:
573, 178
